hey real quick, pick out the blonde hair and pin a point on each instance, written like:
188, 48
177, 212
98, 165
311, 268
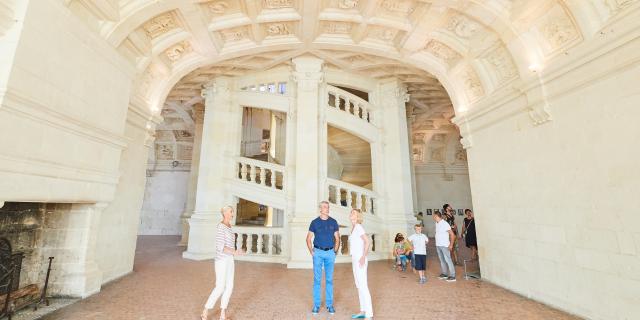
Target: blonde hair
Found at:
359, 215
225, 208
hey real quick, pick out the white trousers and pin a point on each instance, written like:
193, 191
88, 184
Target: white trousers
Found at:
224, 283
360, 277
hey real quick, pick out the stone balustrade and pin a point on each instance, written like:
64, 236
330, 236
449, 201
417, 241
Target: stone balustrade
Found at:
259, 243
266, 174
268, 88
351, 196
349, 103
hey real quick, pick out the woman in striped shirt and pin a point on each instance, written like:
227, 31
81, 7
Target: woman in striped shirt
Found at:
225, 251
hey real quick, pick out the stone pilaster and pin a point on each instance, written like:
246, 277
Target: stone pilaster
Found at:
210, 192
396, 158
193, 175
308, 75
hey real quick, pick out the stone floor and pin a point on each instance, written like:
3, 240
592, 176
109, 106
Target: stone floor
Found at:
164, 286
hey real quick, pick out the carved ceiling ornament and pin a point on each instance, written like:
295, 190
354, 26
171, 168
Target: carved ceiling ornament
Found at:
398, 6
177, 51
278, 29
338, 27
384, 34
347, 4
558, 29
233, 34
160, 25
218, 7
164, 151
442, 51
462, 26
278, 4
502, 63
472, 83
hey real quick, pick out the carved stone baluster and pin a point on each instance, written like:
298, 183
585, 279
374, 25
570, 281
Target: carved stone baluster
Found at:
247, 245
329, 95
243, 171
269, 244
259, 246
365, 203
347, 105
358, 111
359, 201
252, 173
368, 117
263, 176
349, 198
337, 101
273, 178
338, 196
238, 241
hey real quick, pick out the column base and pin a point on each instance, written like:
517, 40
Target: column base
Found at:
202, 236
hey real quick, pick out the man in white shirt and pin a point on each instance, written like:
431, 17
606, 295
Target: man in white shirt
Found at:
419, 242
444, 245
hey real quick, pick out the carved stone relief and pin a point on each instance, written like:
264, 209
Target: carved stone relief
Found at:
164, 151
160, 25
557, 28
347, 4
177, 51
337, 27
472, 83
164, 135
442, 51
183, 135
185, 151
278, 29
233, 34
502, 63
616, 6
278, 4
384, 34
437, 154
218, 7
461, 155
462, 26
398, 6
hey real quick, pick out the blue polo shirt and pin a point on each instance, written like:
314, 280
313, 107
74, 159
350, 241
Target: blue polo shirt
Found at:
323, 231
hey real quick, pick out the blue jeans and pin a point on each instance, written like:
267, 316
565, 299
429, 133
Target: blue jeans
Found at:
322, 259
445, 261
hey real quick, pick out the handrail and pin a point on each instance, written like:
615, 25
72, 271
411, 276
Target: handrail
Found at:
261, 164
260, 172
351, 187
355, 196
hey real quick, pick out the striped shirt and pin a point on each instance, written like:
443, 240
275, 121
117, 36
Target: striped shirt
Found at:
224, 238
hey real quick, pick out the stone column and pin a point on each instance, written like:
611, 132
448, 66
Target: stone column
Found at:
210, 191
396, 159
193, 175
69, 235
308, 76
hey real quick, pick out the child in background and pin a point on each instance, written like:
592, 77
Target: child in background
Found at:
419, 242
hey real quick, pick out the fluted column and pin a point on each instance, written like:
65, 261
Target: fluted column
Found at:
308, 75
210, 193
193, 175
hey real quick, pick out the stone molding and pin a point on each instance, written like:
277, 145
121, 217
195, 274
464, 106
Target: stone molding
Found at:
23, 106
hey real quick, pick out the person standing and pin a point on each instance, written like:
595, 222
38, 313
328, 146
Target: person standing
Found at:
359, 248
325, 233
224, 266
444, 246
450, 216
469, 233
419, 242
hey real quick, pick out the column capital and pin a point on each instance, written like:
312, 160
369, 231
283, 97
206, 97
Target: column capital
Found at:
216, 86
394, 89
198, 113
308, 72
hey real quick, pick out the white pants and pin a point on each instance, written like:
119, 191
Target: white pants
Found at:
224, 283
360, 277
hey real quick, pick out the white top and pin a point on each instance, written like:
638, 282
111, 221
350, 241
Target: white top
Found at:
356, 243
442, 233
224, 238
419, 242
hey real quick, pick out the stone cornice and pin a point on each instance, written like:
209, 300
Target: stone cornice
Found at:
28, 108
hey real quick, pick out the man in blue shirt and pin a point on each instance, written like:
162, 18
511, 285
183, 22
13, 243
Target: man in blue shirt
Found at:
326, 241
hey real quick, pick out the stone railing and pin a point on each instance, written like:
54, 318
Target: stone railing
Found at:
351, 196
349, 103
260, 242
344, 242
269, 88
266, 174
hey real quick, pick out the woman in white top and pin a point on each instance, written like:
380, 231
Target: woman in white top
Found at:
359, 247
225, 250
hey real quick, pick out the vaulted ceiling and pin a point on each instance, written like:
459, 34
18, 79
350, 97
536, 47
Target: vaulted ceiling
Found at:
452, 54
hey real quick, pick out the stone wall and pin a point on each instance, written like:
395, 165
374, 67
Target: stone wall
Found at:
165, 199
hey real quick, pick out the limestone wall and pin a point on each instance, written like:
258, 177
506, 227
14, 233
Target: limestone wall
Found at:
165, 199
556, 204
